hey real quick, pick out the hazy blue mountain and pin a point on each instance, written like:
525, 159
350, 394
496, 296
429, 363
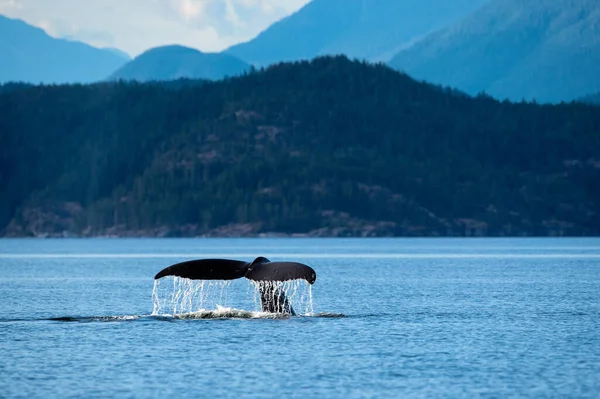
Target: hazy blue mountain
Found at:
591, 99
118, 52
28, 54
548, 50
175, 62
374, 30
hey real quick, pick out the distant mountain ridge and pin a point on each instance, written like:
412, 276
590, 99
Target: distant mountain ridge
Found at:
548, 50
176, 62
30, 55
118, 52
372, 30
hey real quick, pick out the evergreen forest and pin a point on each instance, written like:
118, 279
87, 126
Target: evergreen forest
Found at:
328, 147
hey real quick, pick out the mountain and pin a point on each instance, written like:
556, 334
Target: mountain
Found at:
547, 50
175, 62
118, 52
592, 99
373, 30
324, 148
30, 55
14, 86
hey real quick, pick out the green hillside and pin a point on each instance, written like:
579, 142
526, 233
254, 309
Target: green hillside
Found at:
328, 147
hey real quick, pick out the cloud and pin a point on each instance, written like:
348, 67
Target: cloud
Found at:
231, 15
9, 5
189, 9
136, 25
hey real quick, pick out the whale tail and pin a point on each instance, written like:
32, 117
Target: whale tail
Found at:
261, 269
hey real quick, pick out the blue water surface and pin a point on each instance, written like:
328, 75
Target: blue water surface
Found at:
391, 318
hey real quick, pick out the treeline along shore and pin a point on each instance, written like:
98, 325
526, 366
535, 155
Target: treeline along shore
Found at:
330, 147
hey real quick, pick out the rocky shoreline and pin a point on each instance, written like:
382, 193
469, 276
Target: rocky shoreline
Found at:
381, 229
65, 220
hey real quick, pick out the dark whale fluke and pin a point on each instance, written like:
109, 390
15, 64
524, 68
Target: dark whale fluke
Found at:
206, 269
261, 270
280, 271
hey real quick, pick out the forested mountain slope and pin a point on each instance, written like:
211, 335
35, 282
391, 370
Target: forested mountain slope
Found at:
328, 147
592, 99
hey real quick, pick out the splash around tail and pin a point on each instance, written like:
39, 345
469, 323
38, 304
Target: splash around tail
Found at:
269, 278
279, 287
221, 313
229, 313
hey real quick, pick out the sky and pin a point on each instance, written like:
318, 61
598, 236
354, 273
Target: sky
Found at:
137, 25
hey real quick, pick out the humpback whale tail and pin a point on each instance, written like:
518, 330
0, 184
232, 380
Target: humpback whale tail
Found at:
261, 270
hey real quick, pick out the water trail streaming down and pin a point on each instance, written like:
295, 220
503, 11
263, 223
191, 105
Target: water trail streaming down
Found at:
181, 296
297, 292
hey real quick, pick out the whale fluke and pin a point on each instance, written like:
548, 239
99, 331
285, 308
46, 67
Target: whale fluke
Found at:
261, 269
206, 269
281, 271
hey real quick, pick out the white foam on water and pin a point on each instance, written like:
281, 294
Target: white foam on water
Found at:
228, 313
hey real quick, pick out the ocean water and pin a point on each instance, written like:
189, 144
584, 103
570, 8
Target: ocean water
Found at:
385, 318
